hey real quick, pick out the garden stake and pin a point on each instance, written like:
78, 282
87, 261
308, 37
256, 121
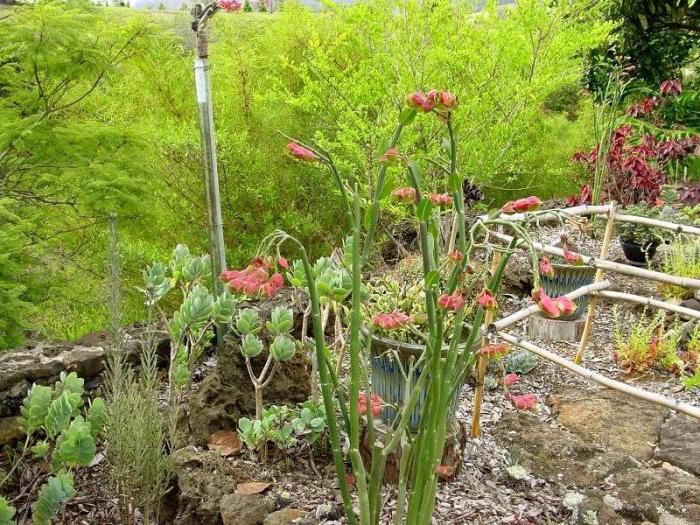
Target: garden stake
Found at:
481, 367
609, 228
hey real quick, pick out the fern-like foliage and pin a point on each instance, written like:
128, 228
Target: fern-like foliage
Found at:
52, 495
7, 512
35, 408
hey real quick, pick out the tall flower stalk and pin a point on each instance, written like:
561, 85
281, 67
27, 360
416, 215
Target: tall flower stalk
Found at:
447, 358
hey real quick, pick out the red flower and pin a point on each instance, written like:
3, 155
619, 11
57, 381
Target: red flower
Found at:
546, 304
523, 401
522, 205
404, 195
254, 279
494, 351
486, 300
440, 199
511, 379
451, 302
573, 258
671, 88
419, 101
445, 471
392, 321
300, 152
566, 306
375, 404
283, 263
229, 5
443, 100
456, 256
392, 156
545, 267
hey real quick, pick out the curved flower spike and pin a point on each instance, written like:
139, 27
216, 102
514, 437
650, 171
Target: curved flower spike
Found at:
302, 153
522, 205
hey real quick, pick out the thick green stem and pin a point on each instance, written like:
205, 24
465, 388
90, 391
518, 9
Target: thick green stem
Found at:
326, 388
374, 206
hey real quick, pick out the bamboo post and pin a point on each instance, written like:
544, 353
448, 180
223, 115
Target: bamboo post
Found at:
482, 361
658, 399
590, 316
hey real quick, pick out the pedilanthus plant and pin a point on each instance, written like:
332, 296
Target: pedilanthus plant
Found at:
447, 358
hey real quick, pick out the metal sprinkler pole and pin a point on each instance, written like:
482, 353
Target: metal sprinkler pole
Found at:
206, 125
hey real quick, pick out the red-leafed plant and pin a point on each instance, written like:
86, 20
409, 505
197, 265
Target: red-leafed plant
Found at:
639, 153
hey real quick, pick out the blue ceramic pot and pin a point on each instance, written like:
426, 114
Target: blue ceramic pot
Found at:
388, 381
568, 278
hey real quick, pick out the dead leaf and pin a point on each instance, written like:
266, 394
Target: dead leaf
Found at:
254, 487
225, 442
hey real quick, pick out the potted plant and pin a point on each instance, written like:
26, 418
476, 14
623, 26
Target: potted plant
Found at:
639, 241
563, 275
396, 306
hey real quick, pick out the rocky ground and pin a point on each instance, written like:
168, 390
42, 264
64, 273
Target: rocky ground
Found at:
590, 455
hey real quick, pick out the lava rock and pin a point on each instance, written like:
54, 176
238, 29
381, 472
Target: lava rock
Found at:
243, 509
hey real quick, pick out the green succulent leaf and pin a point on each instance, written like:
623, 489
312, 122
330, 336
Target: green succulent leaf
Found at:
35, 408
248, 321
223, 308
283, 348
52, 496
41, 449
156, 283
281, 321
424, 209
59, 415
97, 416
75, 447
196, 268
251, 346
7, 512
70, 383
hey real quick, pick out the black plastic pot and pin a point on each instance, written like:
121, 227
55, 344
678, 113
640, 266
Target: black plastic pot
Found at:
639, 254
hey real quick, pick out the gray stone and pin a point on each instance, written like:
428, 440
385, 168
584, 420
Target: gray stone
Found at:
243, 509
609, 419
284, 517
680, 443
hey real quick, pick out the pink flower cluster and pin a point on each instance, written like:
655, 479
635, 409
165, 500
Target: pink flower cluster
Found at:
526, 402
453, 302
456, 256
522, 205
487, 300
302, 153
392, 156
573, 258
494, 351
391, 321
553, 307
545, 267
442, 101
229, 5
375, 403
258, 278
407, 195
440, 199
511, 379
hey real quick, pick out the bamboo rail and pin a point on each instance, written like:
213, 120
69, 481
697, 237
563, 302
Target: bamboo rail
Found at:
624, 269
533, 309
647, 301
658, 399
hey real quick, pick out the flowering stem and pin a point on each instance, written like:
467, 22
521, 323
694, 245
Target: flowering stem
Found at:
374, 207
